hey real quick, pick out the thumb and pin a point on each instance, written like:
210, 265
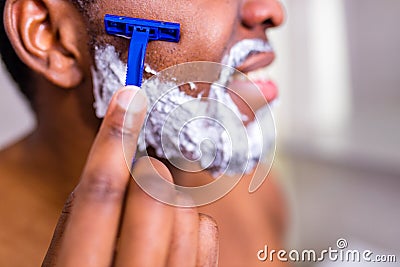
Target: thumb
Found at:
119, 132
106, 169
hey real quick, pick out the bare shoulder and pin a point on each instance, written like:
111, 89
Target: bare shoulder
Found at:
27, 221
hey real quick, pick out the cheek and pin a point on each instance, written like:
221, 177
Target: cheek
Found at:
206, 30
205, 36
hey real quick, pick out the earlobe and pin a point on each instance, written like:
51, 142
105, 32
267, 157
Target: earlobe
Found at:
45, 42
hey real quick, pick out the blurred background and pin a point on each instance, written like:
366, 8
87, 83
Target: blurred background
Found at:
338, 120
338, 123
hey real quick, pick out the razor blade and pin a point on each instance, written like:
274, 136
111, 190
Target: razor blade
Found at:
141, 32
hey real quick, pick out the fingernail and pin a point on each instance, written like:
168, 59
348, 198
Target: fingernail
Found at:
132, 99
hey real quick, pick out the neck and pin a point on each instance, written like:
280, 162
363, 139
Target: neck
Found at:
59, 146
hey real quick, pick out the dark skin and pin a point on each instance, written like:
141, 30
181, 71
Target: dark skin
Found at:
50, 37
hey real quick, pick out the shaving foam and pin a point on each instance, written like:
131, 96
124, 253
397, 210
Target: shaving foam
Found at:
241, 50
108, 77
179, 126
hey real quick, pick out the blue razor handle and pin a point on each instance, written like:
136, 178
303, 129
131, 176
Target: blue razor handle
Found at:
140, 31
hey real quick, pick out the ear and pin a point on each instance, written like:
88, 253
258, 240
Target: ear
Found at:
48, 36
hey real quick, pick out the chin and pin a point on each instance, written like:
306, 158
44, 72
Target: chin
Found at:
220, 129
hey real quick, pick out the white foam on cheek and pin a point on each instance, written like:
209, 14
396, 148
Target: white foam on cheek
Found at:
227, 144
149, 69
108, 76
174, 132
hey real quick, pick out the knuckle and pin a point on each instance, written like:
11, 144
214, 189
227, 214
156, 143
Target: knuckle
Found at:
69, 204
101, 187
117, 129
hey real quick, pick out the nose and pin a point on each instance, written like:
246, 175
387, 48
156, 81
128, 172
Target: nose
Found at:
264, 13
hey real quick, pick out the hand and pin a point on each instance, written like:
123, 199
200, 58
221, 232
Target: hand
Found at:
109, 221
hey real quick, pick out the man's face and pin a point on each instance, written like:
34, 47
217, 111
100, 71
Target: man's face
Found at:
231, 32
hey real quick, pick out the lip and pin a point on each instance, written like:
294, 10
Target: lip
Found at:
251, 94
256, 61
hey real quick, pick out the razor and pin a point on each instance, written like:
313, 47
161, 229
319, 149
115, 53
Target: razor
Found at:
141, 32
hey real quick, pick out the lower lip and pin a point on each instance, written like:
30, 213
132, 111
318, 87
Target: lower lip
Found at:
267, 88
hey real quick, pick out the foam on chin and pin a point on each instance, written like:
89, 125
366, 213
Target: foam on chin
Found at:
227, 147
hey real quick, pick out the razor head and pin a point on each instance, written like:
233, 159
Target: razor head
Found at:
158, 30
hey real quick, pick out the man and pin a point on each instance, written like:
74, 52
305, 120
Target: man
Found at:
52, 54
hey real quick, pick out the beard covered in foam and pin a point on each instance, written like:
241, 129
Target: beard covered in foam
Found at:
221, 145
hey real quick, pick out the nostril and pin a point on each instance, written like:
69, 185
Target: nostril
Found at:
268, 23
264, 13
